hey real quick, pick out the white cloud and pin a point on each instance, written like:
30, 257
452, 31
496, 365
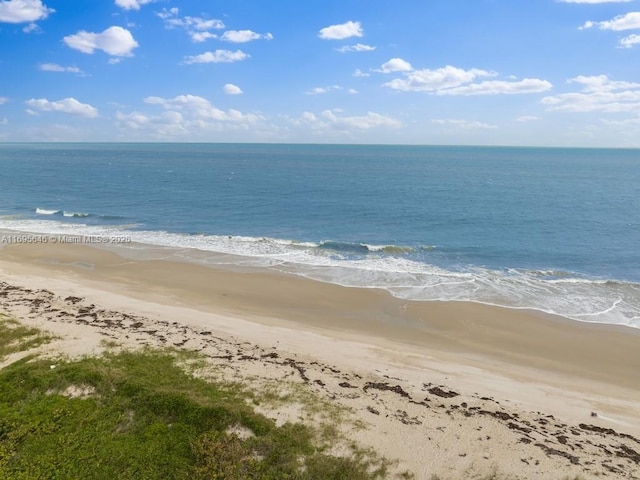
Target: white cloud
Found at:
370, 120
167, 124
133, 120
200, 23
601, 83
219, 56
4, 121
54, 67
341, 31
395, 65
630, 41
132, 4
168, 13
67, 105
426, 80
21, 11
3, 100
451, 80
463, 124
199, 29
200, 37
500, 87
199, 108
31, 28
309, 117
628, 21
333, 120
321, 90
359, 73
231, 89
527, 118
358, 47
185, 117
243, 36
116, 41
599, 94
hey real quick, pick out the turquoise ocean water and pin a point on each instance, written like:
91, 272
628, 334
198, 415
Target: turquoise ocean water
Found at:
556, 230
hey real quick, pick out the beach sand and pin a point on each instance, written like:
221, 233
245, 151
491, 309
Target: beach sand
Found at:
447, 389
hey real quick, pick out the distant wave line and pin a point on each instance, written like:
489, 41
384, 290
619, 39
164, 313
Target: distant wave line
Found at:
45, 211
74, 214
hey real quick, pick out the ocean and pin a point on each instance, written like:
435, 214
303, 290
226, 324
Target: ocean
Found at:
550, 229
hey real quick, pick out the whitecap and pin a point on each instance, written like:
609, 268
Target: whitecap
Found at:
45, 211
74, 214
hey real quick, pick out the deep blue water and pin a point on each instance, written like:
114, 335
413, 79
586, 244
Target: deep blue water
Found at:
552, 229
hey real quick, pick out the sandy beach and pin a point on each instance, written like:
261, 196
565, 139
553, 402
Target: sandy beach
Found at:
449, 390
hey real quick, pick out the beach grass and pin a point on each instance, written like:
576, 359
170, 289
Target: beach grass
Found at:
15, 337
141, 415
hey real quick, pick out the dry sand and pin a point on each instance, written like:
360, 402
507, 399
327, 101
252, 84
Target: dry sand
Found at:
448, 389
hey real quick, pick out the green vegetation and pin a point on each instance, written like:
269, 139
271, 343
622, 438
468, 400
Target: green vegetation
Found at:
142, 416
17, 338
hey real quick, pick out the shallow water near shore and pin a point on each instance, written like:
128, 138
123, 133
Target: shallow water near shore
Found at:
555, 230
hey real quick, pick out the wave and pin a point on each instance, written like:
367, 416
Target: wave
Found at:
364, 248
74, 214
78, 214
399, 249
64, 213
44, 211
550, 274
343, 247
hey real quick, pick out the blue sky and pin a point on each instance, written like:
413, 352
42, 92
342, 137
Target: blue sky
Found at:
478, 72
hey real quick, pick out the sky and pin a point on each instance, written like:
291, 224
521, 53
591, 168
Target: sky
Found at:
444, 72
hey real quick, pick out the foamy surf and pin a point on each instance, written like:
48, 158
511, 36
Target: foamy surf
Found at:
46, 211
405, 274
64, 213
74, 214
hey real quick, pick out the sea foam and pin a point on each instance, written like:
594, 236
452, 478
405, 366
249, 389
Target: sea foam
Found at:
358, 265
45, 211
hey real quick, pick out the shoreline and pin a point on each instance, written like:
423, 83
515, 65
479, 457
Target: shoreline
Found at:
567, 294
522, 337
523, 360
